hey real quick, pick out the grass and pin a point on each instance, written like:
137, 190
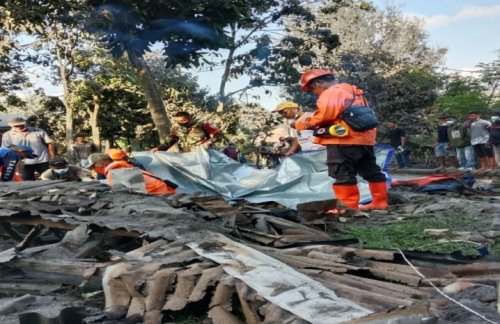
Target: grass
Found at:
409, 234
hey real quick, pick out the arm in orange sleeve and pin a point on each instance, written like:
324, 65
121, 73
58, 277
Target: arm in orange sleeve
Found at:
330, 104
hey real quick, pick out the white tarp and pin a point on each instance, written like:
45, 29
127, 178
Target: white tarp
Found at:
279, 283
300, 178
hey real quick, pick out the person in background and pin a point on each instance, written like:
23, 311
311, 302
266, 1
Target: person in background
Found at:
480, 140
61, 170
495, 135
442, 146
347, 156
37, 139
10, 157
231, 151
186, 134
103, 164
81, 149
459, 137
121, 155
397, 138
292, 112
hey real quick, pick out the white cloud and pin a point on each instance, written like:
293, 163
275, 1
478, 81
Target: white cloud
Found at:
469, 12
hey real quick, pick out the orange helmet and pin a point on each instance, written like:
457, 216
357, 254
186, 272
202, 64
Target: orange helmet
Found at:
116, 154
309, 75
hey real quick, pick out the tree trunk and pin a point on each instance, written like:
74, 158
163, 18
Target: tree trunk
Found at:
69, 110
153, 96
227, 69
94, 121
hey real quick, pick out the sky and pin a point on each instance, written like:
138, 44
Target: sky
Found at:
469, 29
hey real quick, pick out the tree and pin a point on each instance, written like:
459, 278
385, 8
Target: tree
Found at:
462, 95
12, 76
184, 29
106, 85
491, 76
384, 53
253, 50
55, 27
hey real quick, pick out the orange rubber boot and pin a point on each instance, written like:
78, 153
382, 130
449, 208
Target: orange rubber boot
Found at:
379, 194
348, 194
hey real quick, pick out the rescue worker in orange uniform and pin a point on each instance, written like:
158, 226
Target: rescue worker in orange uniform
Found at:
103, 164
350, 155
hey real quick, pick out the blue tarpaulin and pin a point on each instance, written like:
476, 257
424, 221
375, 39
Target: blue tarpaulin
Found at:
300, 178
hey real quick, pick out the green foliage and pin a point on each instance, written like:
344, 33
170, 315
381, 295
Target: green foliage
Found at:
409, 234
12, 76
491, 76
384, 53
185, 28
462, 95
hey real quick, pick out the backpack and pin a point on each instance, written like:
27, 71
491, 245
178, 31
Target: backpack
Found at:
360, 118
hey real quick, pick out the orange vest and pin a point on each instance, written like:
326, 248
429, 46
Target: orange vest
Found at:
153, 184
330, 105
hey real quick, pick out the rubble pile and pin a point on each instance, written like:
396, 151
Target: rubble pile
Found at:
98, 256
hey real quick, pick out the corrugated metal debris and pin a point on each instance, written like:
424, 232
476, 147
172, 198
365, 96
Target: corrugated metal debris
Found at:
127, 257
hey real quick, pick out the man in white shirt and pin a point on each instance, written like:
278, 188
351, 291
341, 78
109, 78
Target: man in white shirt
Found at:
37, 139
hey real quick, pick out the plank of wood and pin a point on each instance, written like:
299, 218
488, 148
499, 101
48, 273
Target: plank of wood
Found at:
364, 253
60, 266
390, 286
405, 315
371, 300
317, 262
36, 220
480, 268
403, 268
396, 276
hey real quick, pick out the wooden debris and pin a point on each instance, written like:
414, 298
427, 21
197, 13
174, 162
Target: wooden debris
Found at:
221, 316
457, 287
436, 231
16, 303
165, 275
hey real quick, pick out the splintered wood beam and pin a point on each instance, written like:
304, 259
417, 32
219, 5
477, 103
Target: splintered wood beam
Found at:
33, 234
59, 266
36, 220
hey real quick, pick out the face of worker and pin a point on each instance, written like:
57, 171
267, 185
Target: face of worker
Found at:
80, 139
473, 117
23, 154
317, 89
391, 125
288, 113
182, 121
60, 169
18, 127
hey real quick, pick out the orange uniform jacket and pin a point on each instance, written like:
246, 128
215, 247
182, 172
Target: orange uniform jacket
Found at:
330, 106
153, 184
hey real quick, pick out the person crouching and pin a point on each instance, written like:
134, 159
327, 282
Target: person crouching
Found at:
60, 169
125, 174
